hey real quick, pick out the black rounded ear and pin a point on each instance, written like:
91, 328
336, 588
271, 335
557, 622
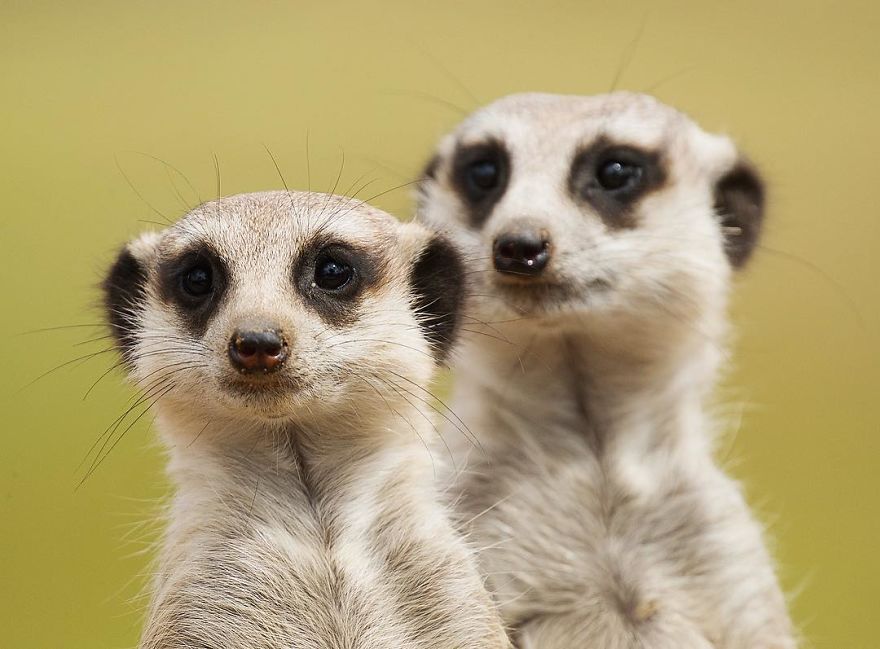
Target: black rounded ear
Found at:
437, 280
124, 290
739, 203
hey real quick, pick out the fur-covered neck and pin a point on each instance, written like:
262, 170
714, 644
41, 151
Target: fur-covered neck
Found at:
327, 461
280, 538
629, 392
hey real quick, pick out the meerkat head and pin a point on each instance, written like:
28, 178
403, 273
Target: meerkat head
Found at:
611, 208
283, 306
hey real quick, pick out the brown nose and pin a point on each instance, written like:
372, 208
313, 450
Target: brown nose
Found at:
257, 351
524, 253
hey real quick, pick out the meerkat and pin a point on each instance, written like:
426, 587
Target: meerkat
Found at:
286, 340
600, 235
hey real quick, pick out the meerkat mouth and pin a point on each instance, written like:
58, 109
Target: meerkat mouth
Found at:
264, 387
550, 296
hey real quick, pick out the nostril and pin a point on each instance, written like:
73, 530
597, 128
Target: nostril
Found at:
508, 249
273, 349
530, 250
246, 348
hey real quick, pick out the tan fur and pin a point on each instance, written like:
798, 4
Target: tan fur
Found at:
603, 520
304, 514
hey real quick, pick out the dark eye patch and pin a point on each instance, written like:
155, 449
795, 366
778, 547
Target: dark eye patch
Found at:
332, 277
194, 282
613, 178
480, 174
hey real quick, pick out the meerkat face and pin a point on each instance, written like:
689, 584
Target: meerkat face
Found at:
283, 305
612, 206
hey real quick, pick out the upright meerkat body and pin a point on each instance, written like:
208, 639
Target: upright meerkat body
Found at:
287, 339
600, 234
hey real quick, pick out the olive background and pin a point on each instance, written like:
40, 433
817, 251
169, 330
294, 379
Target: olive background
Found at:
101, 99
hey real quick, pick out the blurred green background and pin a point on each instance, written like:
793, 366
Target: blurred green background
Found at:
97, 95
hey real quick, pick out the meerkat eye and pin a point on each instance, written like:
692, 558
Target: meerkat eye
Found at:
198, 280
480, 173
332, 274
483, 176
610, 179
618, 175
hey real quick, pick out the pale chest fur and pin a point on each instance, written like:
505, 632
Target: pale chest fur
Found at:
262, 560
615, 531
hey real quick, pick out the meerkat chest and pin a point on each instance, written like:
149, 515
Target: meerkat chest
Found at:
270, 582
372, 572
560, 527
